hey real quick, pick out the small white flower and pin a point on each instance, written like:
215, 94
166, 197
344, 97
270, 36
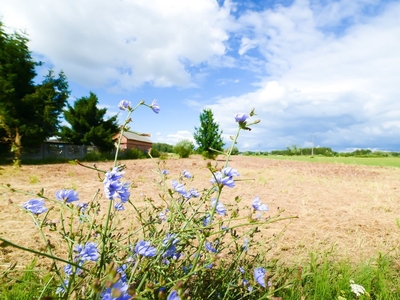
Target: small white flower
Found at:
357, 289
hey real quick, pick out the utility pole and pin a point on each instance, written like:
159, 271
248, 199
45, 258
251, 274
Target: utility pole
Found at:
312, 149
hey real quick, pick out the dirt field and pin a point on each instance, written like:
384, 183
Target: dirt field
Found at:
350, 208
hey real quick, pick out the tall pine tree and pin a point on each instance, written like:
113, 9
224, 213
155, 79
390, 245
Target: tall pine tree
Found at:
88, 125
29, 113
208, 135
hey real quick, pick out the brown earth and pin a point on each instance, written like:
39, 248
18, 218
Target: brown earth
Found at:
351, 209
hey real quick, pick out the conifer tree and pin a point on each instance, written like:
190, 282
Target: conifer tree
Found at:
208, 135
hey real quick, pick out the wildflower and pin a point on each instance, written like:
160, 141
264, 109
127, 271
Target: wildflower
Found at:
88, 252
219, 207
258, 205
210, 247
193, 193
245, 244
186, 174
163, 215
173, 295
225, 177
119, 206
124, 104
67, 196
207, 220
259, 276
241, 117
35, 206
143, 248
113, 187
170, 239
124, 193
209, 266
357, 289
61, 289
241, 270
82, 206
165, 172
230, 172
118, 291
154, 106
170, 252
179, 187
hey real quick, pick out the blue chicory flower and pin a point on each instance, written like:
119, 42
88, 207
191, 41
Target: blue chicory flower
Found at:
82, 206
259, 276
170, 239
163, 215
154, 106
230, 172
193, 193
258, 205
35, 206
186, 174
68, 269
245, 244
124, 105
87, 252
241, 270
210, 247
113, 187
241, 117
119, 206
143, 248
118, 291
165, 172
207, 220
173, 295
67, 196
209, 266
225, 177
179, 187
219, 207
61, 289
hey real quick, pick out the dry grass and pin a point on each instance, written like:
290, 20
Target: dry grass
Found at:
350, 208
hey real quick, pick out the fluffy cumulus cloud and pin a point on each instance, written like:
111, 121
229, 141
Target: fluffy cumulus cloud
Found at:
341, 84
126, 43
174, 138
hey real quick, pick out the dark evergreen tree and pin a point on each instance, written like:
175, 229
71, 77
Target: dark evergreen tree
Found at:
29, 113
88, 126
208, 135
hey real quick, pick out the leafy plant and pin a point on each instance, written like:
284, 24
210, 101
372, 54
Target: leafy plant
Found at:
186, 245
184, 148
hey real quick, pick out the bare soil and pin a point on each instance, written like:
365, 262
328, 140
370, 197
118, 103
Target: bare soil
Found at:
350, 209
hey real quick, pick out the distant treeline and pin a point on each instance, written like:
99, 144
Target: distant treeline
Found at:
323, 151
163, 147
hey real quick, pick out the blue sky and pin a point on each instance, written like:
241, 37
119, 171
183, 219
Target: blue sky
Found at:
322, 67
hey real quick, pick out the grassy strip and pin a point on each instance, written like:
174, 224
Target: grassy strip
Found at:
321, 277
365, 161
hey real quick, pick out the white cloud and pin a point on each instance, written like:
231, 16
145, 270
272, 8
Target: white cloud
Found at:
123, 43
174, 138
344, 88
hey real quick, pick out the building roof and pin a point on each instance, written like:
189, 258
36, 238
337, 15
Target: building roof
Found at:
136, 137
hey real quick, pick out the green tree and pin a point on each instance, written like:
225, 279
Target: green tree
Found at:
88, 125
29, 113
208, 135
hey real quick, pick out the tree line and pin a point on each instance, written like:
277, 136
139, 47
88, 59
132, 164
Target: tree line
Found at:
31, 112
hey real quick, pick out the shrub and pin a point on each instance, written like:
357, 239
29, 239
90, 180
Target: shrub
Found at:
134, 153
184, 148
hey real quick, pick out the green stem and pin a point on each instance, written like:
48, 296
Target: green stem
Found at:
8, 243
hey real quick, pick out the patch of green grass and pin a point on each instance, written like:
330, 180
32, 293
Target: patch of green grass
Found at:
366, 161
323, 277
26, 284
